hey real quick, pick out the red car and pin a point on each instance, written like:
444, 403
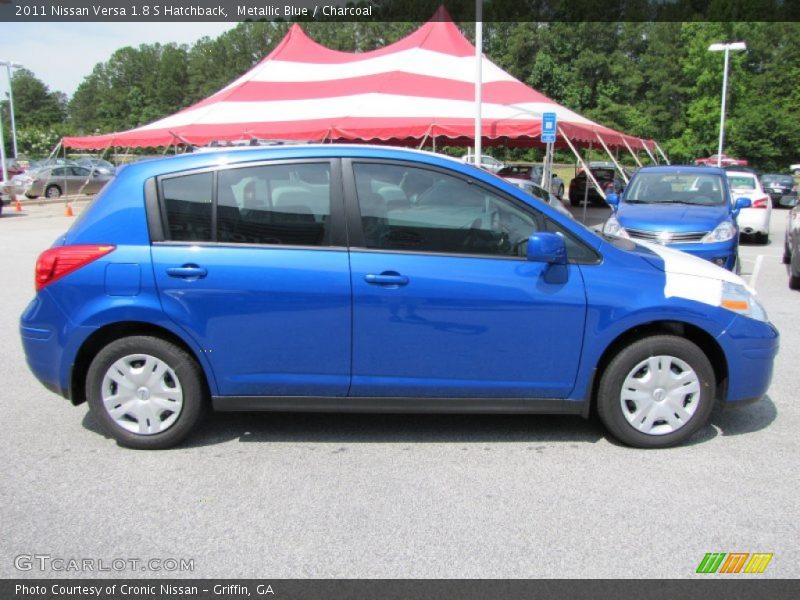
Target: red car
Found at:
725, 161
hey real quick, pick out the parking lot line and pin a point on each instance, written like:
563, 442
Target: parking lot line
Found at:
756, 269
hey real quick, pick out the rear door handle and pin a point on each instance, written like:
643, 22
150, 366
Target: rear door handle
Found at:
190, 272
387, 278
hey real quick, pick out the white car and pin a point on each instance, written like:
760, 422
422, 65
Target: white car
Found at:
490, 163
753, 221
795, 169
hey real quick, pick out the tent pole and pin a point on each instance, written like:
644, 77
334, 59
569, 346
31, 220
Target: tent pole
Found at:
628, 146
650, 154
586, 187
583, 164
666, 160
614, 160
478, 76
54, 151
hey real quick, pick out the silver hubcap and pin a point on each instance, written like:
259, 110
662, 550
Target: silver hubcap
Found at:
142, 394
660, 395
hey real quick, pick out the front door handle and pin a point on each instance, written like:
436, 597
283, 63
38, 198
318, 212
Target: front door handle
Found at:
387, 278
190, 272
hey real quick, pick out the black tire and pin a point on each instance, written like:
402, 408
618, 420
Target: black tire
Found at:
794, 281
787, 255
609, 406
31, 196
52, 191
560, 193
574, 201
763, 239
189, 377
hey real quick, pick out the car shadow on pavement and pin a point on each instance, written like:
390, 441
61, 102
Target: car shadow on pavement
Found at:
747, 419
265, 427
10, 214
355, 428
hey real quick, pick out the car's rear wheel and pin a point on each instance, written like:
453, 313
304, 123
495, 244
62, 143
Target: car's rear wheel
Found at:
560, 193
146, 392
657, 392
53, 191
787, 254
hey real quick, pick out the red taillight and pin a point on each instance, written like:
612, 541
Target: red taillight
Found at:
761, 202
54, 263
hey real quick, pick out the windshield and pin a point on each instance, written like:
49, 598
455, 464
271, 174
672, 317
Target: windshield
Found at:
676, 188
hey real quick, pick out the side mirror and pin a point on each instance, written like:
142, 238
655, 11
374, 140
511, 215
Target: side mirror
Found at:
548, 248
612, 198
741, 203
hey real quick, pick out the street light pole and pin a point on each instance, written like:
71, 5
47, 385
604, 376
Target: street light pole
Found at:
724, 48
11, 65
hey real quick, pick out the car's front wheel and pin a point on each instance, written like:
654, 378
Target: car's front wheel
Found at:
147, 393
52, 191
656, 392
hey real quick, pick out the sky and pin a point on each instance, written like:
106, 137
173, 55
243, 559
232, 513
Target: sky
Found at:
62, 54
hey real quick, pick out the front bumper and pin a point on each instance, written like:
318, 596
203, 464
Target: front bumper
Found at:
750, 347
722, 254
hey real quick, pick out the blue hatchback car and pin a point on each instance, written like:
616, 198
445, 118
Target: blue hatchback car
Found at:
356, 278
686, 208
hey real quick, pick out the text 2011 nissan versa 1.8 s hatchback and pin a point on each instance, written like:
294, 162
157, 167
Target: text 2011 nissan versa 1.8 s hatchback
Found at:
351, 278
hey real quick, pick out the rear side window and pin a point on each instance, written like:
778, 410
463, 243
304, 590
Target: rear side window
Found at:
187, 200
275, 204
284, 204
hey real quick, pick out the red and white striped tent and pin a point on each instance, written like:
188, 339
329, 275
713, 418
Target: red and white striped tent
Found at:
419, 88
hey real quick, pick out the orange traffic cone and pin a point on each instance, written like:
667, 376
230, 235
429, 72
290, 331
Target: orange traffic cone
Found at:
68, 210
18, 206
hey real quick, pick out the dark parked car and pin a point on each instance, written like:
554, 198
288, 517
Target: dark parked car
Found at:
341, 278
781, 188
608, 178
531, 172
791, 245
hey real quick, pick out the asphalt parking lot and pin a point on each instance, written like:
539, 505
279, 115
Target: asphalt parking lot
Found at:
366, 496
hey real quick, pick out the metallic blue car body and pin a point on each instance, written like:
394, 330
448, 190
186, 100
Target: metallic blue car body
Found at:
304, 322
681, 218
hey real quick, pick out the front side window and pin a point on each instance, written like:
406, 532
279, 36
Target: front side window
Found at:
420, 210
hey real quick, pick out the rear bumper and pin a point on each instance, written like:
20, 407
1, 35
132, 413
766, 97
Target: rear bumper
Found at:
753, 220
50, 341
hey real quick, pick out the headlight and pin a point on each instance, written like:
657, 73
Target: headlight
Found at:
722, 233
612, 227
738, 298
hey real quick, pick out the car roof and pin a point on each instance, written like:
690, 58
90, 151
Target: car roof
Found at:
741, 174
693, 169
241, 156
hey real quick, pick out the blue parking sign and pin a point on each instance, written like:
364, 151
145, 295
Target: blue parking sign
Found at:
549, 127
